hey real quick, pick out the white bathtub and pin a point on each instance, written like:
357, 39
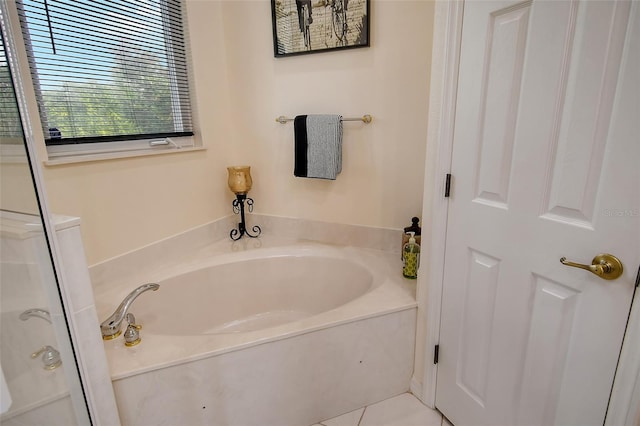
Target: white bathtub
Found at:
249, 294
285, 335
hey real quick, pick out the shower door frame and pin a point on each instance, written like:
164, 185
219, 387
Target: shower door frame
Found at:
442, 103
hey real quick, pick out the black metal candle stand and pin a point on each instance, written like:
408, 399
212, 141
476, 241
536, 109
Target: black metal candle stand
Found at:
238, 207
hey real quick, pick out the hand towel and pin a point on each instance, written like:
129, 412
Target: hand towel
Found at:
322, 137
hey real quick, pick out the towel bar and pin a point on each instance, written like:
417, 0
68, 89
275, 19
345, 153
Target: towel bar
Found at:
365, 118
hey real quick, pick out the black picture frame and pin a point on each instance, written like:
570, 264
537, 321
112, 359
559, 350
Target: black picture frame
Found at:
331, 25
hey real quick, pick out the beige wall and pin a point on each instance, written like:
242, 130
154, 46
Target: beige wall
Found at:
16, 185
383, 162
240, 89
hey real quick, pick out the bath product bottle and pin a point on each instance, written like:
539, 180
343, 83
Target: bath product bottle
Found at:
411, 260
405, 236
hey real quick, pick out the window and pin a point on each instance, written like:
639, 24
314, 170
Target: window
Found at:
108, 70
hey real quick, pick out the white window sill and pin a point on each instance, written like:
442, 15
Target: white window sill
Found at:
84, 153
88, 157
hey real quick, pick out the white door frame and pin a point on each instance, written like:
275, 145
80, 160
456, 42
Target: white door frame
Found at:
442, 103
447, 34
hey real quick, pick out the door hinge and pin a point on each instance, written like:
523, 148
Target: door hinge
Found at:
447, 186
436, 352
638, 277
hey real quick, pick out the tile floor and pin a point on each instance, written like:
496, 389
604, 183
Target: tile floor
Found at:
401, 410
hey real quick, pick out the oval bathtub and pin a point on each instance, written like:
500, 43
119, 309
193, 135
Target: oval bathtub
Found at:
252, 294
239, 338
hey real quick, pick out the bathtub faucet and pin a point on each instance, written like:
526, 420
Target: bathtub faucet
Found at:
111, 326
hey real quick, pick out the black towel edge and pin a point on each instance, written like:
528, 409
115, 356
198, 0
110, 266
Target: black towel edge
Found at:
300, 146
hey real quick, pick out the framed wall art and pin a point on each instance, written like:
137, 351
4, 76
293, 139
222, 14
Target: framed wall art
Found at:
312, 26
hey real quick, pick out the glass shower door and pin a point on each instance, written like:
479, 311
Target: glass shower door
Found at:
40, 382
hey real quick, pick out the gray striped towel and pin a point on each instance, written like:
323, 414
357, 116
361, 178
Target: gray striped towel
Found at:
324, 146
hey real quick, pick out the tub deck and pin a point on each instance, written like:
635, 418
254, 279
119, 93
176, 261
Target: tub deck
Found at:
389, 293
318, 364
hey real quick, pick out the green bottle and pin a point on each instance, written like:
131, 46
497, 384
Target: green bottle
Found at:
411, 262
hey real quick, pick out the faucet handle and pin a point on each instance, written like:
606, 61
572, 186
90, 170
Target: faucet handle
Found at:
36, 312
132, 333
50, 357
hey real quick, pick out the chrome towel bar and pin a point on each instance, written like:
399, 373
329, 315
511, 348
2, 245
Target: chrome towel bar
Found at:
365, 118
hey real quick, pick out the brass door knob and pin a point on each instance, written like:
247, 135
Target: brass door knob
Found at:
606, 266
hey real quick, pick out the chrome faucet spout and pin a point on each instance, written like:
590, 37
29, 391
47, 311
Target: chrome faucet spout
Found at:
110, 328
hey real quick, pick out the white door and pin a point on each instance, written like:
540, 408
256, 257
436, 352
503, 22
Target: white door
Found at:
545, 165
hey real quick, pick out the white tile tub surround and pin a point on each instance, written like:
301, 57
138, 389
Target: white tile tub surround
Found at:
295, 373
385, 239
389, 292
169, 251
173, 250
289, 382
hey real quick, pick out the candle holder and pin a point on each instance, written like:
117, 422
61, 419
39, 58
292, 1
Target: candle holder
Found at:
240, 183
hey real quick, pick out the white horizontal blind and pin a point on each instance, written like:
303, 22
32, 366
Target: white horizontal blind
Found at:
10, 124
108, 70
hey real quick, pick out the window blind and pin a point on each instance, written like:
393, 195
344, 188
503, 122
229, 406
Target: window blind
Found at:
108, 70
10, 124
